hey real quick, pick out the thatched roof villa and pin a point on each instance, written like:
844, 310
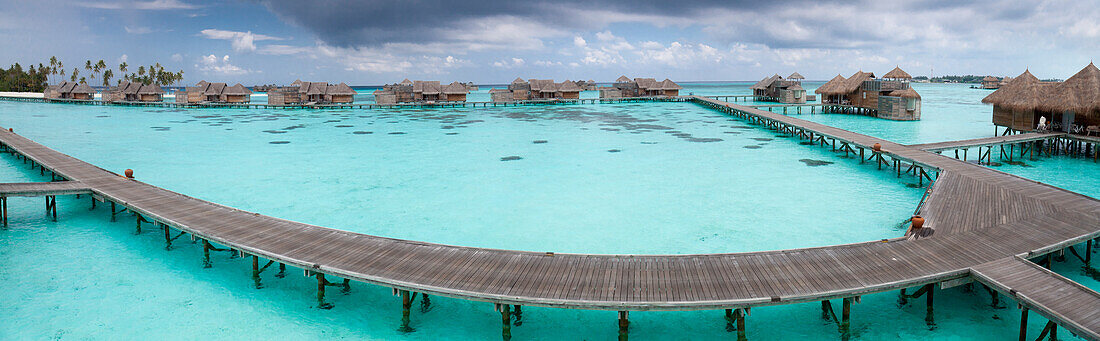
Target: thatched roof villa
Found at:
421, 91
890, 97
777, 89
1071, 106
69, 90
206, 92
134, 92
639, 87
520, 90
300, 92
990, 82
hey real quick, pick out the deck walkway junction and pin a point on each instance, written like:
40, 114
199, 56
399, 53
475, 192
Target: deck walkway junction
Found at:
981, 216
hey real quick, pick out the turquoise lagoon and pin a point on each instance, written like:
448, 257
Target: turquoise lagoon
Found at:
652, 178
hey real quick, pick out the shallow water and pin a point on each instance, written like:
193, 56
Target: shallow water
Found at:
439, 175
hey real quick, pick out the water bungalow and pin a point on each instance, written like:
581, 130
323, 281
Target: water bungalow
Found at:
421, 91
520, 90
990, 82
640, 87
889, 97
134, 92
207, 92
777, 89
1072, 106
69, 90
301, 92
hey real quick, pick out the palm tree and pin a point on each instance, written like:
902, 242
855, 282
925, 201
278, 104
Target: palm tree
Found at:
82, 80
107, 74
122, 67
73, 76
53, 67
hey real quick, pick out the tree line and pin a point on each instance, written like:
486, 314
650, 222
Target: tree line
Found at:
36, 78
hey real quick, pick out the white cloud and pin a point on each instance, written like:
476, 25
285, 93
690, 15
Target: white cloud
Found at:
142, 5
241, 41
137, 30
177, 57
547, 63
508, 64
123, 58
212, 65
579, 42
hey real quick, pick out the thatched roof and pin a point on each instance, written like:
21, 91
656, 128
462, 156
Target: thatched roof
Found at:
852, 83
906, 93
202, 83
498, 90
568, 86
668, 84
82, 88
382, 92
314, 88
829, 87
795, 75
214, 89
1013, 90
1080, 93
341, 89
455, 88
427, 87
990, 79
297, 82
795, 87
766, 82
897, 73
1025, 92
622, 79
66, 87
237, 89
518, 80
647, 83
406, 82
150, 89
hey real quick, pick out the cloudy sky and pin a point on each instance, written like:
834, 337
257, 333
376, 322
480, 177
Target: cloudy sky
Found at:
489, 41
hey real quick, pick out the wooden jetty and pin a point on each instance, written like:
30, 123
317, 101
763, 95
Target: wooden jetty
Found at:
813, 108
1063, 302
979, 215
1024, 144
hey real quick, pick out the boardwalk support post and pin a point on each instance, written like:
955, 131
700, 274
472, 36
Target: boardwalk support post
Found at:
51, 206
739, 316
321, 282
4, 210
928, 318
282, 271
505, 321
206, 254
426, 304
256, 271
406, 303
1052, 329
845, 322
167, 238
624, 325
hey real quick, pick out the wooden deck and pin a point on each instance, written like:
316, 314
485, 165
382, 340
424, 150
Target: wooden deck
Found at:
39, 189
987, 141
980, 216
1057, 298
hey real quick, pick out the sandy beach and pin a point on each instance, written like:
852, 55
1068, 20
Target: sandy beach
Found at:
21, 94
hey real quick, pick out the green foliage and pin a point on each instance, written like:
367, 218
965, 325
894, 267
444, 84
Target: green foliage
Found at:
19, 80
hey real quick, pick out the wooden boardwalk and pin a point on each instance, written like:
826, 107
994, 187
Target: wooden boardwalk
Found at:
1060, 300
39, 189
987, 141
980, 216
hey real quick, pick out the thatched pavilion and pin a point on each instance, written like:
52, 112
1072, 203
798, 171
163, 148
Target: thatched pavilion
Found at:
420, 91
69, 90
639, 87
890, 97
1071, 106
990, 82
777, 89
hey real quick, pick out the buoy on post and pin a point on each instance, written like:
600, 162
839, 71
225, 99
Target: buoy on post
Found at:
877, 148
129, 173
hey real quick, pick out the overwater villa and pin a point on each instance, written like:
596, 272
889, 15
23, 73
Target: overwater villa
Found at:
301, 92
1027, 104
69, 90
520, 90
127, 91
990, 82
206, 92
777, 89
640, 87
889, 97
421, 91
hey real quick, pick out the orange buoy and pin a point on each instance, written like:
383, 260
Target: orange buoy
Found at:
11, 130
877, 147
918, 222
129, 173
